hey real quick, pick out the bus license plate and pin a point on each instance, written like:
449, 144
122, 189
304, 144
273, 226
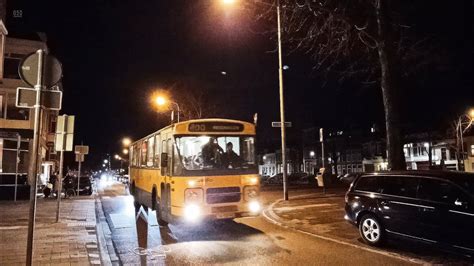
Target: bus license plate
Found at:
225, 215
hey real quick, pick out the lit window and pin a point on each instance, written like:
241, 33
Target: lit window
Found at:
472, 150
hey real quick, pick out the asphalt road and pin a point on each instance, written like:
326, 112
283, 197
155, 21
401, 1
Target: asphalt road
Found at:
247, 241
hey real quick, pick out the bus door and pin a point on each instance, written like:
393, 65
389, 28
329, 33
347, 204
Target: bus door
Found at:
166, 169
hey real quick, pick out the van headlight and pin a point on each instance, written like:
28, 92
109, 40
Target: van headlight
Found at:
195, 195
192, 213
250, 193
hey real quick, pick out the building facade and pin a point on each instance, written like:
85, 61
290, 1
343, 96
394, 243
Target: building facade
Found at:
17, 124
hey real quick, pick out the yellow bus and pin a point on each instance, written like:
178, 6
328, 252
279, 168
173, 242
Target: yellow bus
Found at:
197, 170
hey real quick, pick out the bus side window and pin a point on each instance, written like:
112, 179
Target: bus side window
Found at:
157, 151
164, 150
143, 154
170, 155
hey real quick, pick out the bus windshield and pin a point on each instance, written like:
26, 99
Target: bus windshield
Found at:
216, 152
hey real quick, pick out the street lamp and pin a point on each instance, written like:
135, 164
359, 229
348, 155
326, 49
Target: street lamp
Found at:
282, 102
125, 151
126, 142
463, 123
161, 100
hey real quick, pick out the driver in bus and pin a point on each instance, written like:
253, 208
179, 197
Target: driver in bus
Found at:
231, 159
211, 152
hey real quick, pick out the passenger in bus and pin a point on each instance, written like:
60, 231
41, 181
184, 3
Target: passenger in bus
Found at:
211, 152
230, 158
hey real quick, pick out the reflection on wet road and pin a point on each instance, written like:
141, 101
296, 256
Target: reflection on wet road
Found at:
140, 240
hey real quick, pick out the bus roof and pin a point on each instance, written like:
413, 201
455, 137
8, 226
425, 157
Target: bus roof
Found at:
208, 126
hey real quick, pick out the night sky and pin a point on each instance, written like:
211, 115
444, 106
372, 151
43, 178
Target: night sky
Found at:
116, 53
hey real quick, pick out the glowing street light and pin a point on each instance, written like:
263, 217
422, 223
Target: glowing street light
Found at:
228, 2
162, 100
125, 151
106, 161
117, 157
126, 142
471, 113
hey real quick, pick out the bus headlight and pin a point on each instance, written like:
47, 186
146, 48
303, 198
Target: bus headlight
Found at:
192, 213
250, 192
254, 207
193, 195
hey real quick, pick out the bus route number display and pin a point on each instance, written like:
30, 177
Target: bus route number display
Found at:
215, 127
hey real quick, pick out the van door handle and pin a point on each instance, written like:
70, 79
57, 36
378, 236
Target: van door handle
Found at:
384, 203
428, 209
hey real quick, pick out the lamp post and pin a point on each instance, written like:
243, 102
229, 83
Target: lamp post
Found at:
162, 100
469, 116
282, 98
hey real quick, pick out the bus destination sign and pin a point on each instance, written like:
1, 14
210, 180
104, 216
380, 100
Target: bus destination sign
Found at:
215, 127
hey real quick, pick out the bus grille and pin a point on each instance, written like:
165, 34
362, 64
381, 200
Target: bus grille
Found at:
223, 195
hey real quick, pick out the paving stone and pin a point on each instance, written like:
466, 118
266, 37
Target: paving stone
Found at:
55, 243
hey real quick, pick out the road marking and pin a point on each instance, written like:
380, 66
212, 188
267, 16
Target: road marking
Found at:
12, 227
304, 207
385, 253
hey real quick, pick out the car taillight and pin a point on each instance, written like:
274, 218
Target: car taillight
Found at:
195, 195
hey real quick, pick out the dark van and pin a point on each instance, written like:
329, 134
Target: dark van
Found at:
432, 207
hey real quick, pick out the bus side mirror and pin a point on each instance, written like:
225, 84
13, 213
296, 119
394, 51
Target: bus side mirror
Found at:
164, 159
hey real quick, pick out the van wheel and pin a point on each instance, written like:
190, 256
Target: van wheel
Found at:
371, 230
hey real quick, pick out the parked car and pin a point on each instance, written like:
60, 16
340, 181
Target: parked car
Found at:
348, 178
435, 207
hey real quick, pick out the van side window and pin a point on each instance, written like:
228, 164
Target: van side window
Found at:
368, 183
440, 191
403, 186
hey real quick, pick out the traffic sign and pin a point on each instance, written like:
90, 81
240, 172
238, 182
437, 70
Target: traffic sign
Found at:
80, 149
79, 157
64, 133
278, 124
50, 99
52, 70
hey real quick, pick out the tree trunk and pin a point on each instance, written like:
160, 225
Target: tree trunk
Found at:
390, 80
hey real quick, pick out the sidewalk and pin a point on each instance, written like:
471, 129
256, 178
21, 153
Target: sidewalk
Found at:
72, 241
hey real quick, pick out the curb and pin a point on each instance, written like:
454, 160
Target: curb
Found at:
272, 217
103, 244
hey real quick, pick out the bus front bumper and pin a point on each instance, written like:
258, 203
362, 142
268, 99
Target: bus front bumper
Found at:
194, 212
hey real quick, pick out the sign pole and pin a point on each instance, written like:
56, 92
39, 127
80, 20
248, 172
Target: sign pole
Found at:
18, 146
34, 160
60, 182
79, 176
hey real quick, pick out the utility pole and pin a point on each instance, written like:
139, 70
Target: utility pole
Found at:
282, 107
321, 139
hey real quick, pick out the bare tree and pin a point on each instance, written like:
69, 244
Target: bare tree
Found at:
194, 103
364, 39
